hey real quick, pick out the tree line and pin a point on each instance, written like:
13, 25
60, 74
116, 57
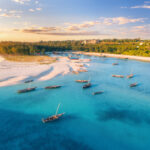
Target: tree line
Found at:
124, 46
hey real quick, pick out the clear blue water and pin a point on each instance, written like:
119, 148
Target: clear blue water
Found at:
118, 119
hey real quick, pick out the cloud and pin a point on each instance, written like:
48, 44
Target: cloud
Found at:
141, 30
82, 33
36, 2
56, 31
102, 21
120, 20
142, 6
38, 9
21, 1
31, 10
39, 30
76, 27
11, 13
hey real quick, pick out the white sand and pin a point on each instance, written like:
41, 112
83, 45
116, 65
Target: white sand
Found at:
12, 73
140, 58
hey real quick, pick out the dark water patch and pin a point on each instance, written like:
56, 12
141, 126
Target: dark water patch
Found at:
21, 131
70, 144
124, 115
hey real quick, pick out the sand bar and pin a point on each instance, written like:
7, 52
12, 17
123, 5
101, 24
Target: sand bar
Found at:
12, 73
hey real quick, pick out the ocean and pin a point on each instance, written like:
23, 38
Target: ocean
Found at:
118, 119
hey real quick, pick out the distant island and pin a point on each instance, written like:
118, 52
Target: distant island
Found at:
135, 47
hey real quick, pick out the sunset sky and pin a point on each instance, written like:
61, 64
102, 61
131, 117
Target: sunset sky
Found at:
35, 20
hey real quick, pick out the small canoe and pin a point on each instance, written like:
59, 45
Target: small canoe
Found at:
118, 76
75, 72
82, 70
28, 81
52, 118
82, 81
27, 90
87, 85
99, 92
133, 84
53, 87
115, 64
130, 76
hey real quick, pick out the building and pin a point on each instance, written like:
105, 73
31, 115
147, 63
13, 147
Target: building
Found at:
91, 41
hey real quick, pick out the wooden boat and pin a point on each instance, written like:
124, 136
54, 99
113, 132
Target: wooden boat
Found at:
53, 87
115, 64
82, 70
26, 90
54, 117
133, 84
73, 58
130, 76
82, 81
118, 76
28, 81
99, 92
87, 85
75, 72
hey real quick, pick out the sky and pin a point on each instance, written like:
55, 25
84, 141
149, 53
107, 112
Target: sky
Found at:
36, 20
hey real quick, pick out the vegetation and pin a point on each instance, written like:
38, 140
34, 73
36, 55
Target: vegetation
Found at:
125, 46
38, 59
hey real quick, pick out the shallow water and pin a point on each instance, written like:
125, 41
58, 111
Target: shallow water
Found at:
118, 119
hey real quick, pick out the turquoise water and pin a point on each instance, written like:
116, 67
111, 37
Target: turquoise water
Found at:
118, 119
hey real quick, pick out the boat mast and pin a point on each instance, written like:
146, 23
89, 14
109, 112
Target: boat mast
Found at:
57, 108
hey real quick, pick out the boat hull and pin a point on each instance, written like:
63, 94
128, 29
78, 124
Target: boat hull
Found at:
52, 118
27, 90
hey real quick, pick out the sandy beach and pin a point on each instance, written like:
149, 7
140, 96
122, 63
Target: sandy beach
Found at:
140, 58
15, 72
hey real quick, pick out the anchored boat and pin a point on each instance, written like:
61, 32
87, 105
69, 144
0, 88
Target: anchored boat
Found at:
118, 76
53, 87
27, 90
99, 92
54, 117
133, 84
87, 85
115, 64
130, 76
28, 81
82, 81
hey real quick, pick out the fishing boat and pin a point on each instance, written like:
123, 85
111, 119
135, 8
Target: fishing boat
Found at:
99, 92
115, 64
130, 76
82, 81
73, 57
52, 87
82, 70
87, 85
133, 84
118, 76
53, 117
27, 90
75, 72
28, 81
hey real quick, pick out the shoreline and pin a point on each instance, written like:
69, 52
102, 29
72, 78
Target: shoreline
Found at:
120, 56
13, 73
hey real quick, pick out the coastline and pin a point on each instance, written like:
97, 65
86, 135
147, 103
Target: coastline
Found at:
17, 72
120, 56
